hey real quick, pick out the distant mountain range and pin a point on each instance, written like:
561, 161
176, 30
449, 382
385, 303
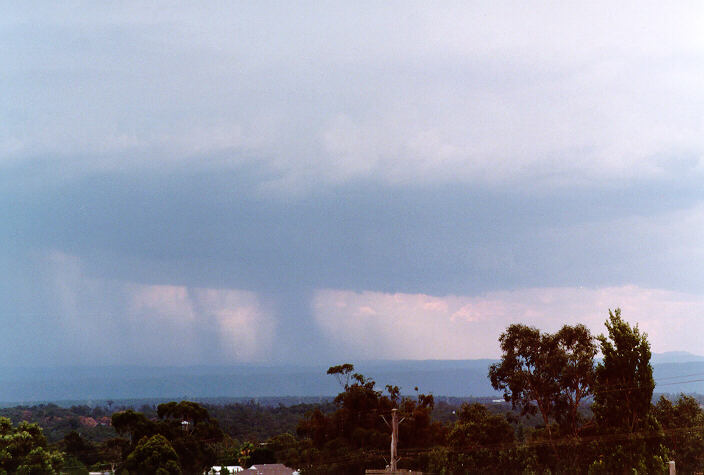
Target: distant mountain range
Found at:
675, 357
675, 372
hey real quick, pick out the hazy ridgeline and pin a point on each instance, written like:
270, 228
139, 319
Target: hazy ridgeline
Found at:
266, 384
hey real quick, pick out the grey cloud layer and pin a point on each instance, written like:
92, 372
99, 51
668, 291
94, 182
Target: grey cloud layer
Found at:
398, 93
451, 239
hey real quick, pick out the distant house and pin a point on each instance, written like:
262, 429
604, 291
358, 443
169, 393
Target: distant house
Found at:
263, 469
269, 469
215, 470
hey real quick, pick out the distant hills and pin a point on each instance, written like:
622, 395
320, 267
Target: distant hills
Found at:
675, 372
675, 357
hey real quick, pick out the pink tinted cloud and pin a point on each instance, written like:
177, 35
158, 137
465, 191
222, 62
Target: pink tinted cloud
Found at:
381, 325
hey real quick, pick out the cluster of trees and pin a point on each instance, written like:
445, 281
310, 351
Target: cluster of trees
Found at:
172, 438
254, 422
357, 434
56, 422
266, 433
23, 449
555, 375
182, 439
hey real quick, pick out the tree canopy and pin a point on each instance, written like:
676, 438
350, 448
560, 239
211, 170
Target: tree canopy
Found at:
192, 442
154, 455
23, 449
358, 427
546, 373
624, 378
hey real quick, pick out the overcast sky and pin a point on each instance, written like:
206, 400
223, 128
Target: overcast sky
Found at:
221, 182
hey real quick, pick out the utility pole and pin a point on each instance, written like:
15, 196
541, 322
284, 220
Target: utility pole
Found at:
394, 437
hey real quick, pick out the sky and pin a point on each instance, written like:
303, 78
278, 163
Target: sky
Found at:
196, 183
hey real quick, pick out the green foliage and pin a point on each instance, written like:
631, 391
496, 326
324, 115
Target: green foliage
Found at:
575, 353
81, 449
547, 373
244, 454
73, 466
683, 424
134, 424
624, 378
356, 435
477, 427
188, 411
56, 422
152, 455
479, 439
194, 442
287, 449
40, 461
526, 373
630, 435
23, 449
113, 451
252, 421
342, 373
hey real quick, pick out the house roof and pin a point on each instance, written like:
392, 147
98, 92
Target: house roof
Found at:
268, 469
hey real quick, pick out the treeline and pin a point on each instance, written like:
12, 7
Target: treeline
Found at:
248, 421
56, 422
565, 412
244, 421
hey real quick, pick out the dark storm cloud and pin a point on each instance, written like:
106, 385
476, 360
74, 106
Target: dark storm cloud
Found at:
214, 229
